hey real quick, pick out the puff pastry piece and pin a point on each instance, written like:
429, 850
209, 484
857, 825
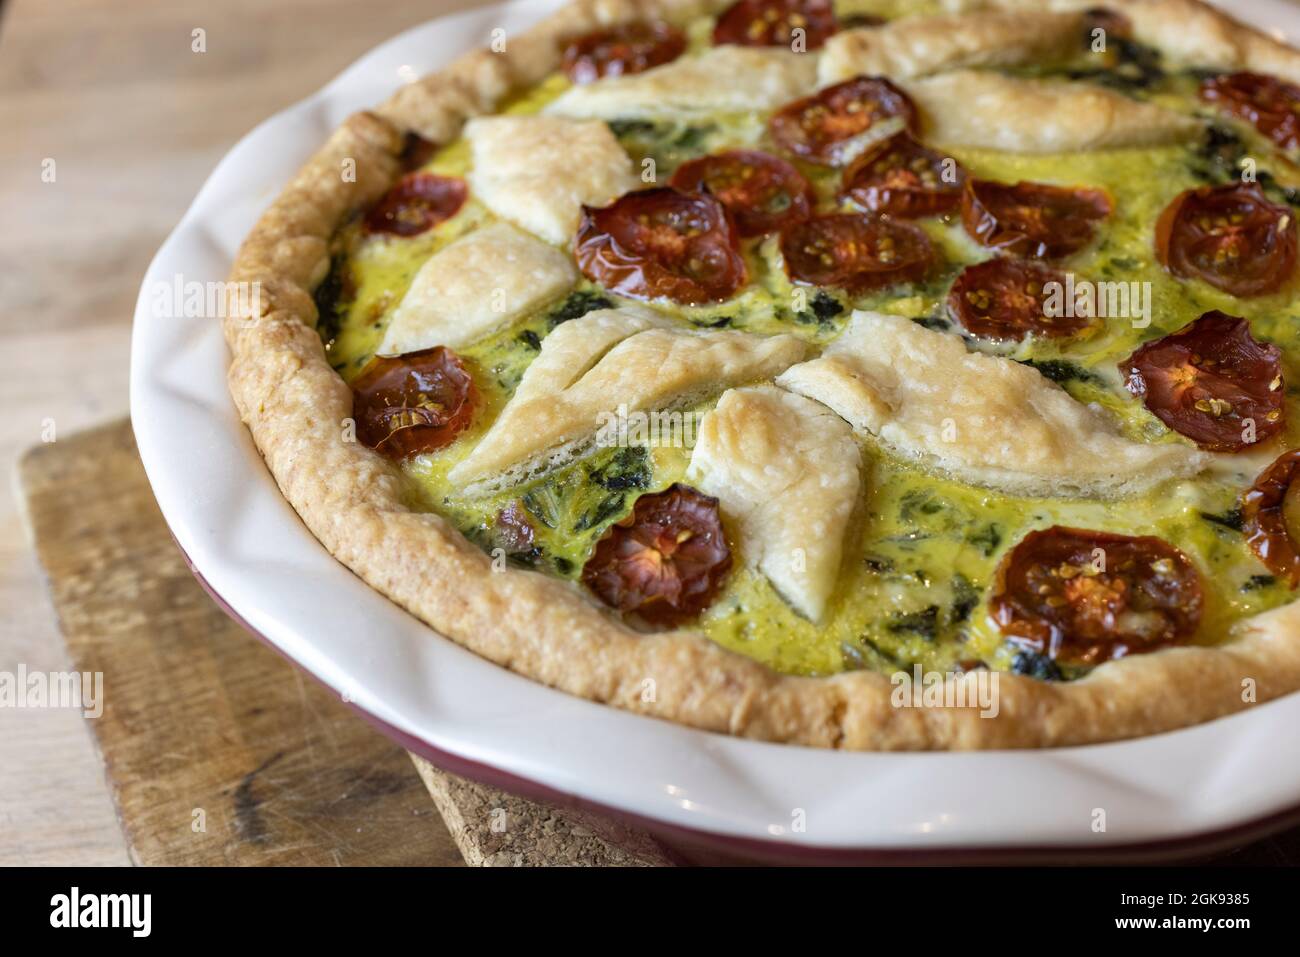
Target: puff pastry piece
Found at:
483, 281
984, 419
916, 46
1189, 32
720, 80
591, 366
974, 108
1198, 35
538, 171
787, 473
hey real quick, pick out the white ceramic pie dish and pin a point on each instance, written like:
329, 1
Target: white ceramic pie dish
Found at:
1210, 785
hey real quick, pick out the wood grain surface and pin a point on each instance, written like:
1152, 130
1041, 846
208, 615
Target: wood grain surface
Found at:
495, 829
216, 750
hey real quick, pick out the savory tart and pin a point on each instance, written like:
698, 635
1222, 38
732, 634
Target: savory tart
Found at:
722, 361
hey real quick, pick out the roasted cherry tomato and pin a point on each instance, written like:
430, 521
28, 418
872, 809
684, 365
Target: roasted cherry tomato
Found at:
662, 243
762, 192
817, 128
417, 203
1084, 597
1009, 299
1270, 514
1032, 219
1211, 381
622, 49
1272, 105
666, 561
900, 177
419, 402
1230, 236
771, 23
856, 252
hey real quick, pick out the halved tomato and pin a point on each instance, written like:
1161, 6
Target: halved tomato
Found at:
1230, 236
856, 252
416, 204
1008, 299
817, 128
1270, 104
1083, 597
1211, 381
771, 23
419, 402
762, 192
666, 561
900, 177
1270, 516
622, 49
662, 243
1032, 219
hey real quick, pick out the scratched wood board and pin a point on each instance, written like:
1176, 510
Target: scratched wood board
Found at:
217, 751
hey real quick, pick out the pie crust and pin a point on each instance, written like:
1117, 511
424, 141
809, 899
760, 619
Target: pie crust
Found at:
295, 406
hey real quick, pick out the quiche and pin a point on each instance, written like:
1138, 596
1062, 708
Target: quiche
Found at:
741, 363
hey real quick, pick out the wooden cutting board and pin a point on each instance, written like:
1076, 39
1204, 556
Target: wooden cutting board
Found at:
217, 750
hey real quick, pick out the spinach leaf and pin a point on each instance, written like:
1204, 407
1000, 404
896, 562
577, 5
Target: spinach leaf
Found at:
1218, 161
821, 311
986, 538
1137, 67
629, 468
924, 623
934, 323
546, 504
1062, 371
333, 297
965, 599
691, 138
1035, 665
578, 304
622, 128
1231, 519
606, 509
918, 502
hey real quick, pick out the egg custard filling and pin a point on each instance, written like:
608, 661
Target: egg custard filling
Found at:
1142, 289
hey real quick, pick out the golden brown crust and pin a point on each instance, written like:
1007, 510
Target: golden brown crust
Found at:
353, 501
